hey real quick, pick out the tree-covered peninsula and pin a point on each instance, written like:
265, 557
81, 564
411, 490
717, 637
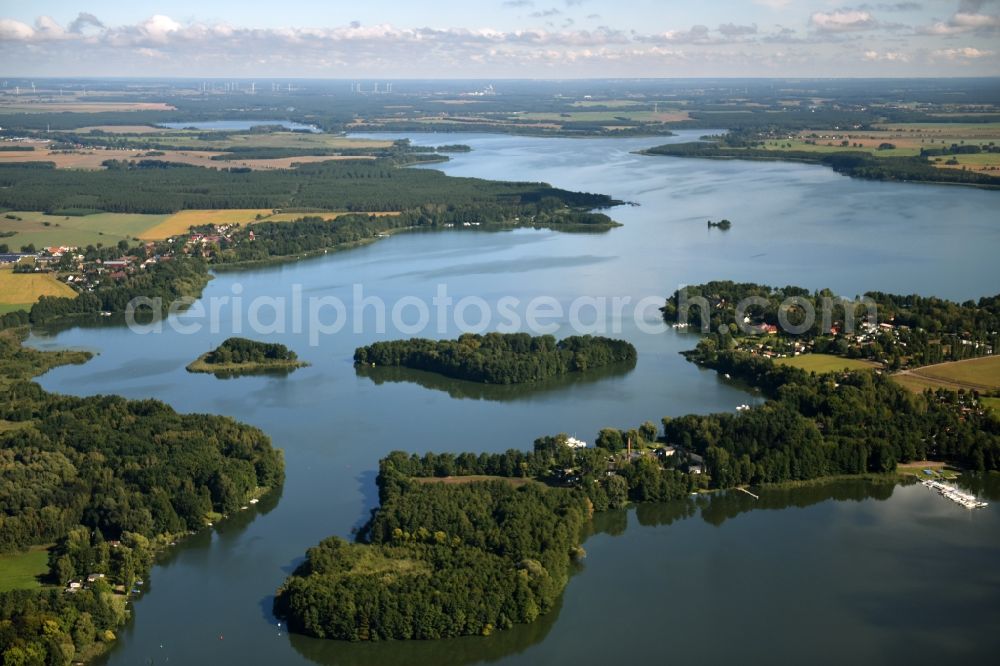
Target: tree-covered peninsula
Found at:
438, 560
242, 356
103, 483
498, 358
854, 163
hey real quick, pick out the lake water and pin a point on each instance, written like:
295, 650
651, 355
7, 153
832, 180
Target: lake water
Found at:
846, 572
239, 125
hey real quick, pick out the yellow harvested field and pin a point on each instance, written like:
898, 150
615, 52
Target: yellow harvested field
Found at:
179, 223
26, 288
93, 158
119, 129
41, 230
980, 374
326, 215
76, 106
973, 162
288, 162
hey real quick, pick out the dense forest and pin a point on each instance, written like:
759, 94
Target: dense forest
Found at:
497, 358
360, 186
925, 330
109, 481
440, 560
857, 164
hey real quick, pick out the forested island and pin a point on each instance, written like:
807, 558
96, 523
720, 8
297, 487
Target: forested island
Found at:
108, 482
237, 356
498, 358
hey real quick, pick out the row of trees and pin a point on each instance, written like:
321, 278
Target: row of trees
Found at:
497, 358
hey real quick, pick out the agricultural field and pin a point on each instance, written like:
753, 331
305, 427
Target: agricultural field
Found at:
993, 404
607, 118
979, 374
19, 291
326, 215
606, 104
908, 140
119, 129
93, 158
180, 222
831, 144
977, 162
208, 141
43, 230
21, 571
18, 105
664, 116
820, 363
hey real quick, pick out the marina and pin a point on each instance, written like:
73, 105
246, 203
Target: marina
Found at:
955, 495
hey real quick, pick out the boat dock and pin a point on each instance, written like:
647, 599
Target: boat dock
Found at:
747, 492
955, 495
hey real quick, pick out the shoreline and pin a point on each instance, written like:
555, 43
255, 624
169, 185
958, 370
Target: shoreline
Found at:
816, 162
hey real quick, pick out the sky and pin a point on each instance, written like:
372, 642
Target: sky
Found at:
500, 38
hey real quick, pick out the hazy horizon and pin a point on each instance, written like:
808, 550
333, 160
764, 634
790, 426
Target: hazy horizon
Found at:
550, 39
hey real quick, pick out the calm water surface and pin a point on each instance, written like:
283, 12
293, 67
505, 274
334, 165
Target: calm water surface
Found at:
843, 572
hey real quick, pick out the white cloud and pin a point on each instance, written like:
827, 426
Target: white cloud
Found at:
733, 30
161, 45
159, 27
15, 30
886, 56
843, 21
83, 21
966, 53
968, 19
